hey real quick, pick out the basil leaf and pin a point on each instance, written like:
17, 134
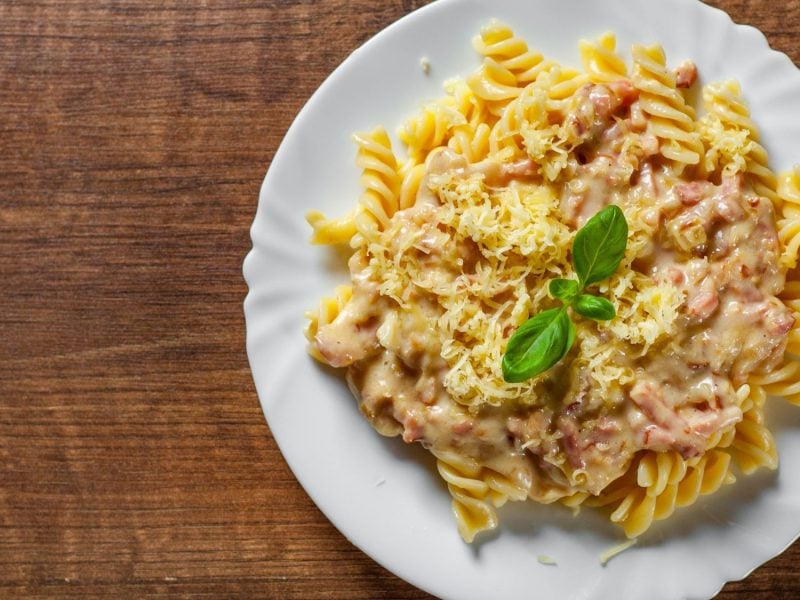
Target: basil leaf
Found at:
570, 333
594, 307
538, 344
600, 245
564, 289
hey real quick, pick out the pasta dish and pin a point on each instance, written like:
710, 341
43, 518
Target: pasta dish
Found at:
455, 247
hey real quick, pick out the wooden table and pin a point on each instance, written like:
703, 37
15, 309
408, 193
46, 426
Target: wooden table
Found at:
134, 458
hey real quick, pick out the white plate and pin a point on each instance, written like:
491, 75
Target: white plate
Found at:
385, 497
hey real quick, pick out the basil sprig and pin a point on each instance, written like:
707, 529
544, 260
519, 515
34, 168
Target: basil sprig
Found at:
544, 339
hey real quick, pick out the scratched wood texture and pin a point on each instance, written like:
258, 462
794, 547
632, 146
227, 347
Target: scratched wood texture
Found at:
134, 458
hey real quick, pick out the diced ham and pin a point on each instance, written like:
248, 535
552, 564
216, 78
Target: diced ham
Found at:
517, 170
777, 319
603, 100
609, 98
685, 74
654, 436
691, 193
702, 306
666, 429
412, 429
462, 427
676, 276
650, 145
727, 210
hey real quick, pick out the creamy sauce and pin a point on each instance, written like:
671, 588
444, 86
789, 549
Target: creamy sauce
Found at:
716, 243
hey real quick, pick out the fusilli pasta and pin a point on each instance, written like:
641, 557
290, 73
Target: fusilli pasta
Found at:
670, 118
519, 132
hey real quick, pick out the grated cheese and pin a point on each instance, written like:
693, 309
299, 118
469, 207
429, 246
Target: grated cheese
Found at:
485, 255
728, 147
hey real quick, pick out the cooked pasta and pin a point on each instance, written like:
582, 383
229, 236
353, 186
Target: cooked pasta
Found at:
789, 225
476, 492
470, 138
453, 248
498, 42
601, 61
669, 118
783, 382
431, 128
327, 311
726, 108
381, 181
665, 481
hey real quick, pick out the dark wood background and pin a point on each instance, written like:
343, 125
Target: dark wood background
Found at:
134, 458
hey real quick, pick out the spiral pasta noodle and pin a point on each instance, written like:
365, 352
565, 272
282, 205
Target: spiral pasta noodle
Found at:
409, 187
495, 85
753, 446
476, 492
473, 144
380, 179
789, 224
724, 102
331, 231
506, 134
600, 60
509, 66
327, 310
470, 138
671, 119
783, 382
498, 43
431, 128
663, 482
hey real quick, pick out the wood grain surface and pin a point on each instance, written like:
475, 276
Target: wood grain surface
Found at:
134, 457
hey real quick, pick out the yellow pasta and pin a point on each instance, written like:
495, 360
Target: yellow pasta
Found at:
670, 118
723, 103
331, 231
495, 85
753, 446
506, 134
409, 188
600, 60
783, 382
453, 249
431, 128
326, 312
498, 43
789, 225
473, 144
476, 493
380, 179
664, 482
471, 138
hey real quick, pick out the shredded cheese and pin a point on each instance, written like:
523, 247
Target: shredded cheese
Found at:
485, 255
727, 147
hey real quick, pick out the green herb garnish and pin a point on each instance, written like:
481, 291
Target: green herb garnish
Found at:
544, 339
